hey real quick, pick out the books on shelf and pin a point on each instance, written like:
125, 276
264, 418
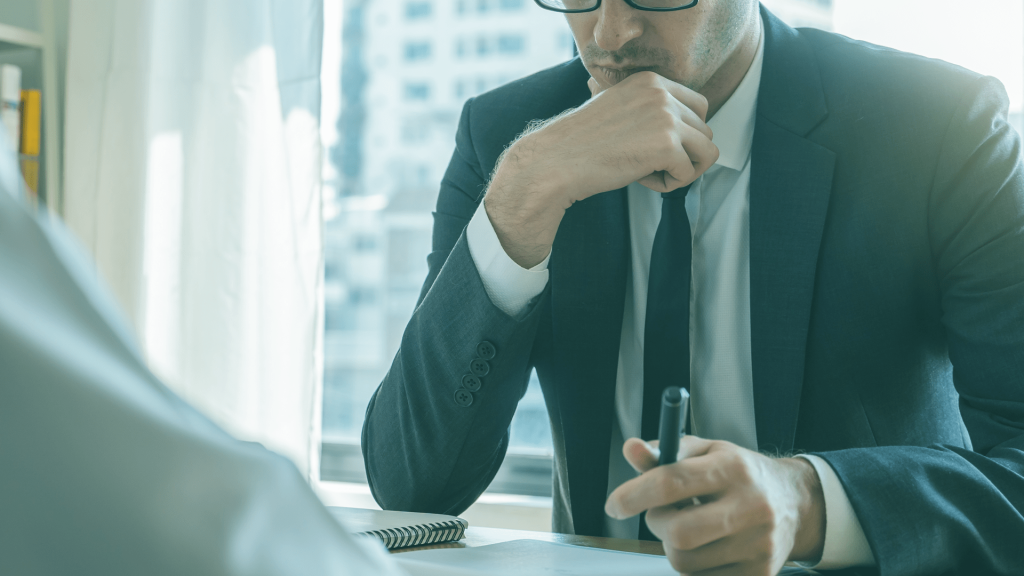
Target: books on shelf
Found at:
31, 137
401, 529
21, 112
31, 122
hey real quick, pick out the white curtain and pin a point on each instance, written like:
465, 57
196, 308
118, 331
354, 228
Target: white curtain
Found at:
192, 175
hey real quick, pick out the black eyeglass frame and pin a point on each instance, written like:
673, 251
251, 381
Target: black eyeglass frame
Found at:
631, 3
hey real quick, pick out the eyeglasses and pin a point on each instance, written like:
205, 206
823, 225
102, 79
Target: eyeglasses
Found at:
576, 6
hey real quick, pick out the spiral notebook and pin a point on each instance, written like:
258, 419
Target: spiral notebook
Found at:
401, 529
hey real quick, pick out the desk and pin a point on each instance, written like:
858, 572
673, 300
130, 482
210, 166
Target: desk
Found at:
477, 536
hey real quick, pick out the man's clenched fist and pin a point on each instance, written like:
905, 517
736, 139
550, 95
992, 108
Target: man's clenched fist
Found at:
646, 128
755, 512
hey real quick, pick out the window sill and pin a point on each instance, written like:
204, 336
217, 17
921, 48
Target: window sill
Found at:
490, 510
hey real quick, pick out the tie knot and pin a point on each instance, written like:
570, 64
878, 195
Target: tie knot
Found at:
678, 193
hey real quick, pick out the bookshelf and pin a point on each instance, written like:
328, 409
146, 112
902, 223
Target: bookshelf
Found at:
34, 53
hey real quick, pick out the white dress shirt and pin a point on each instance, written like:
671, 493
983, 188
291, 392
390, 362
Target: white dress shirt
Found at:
720, 358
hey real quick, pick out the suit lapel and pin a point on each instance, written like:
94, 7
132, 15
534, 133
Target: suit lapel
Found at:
790, 184
589, 263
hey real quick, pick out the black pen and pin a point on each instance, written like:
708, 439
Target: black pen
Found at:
673, 405
675, 410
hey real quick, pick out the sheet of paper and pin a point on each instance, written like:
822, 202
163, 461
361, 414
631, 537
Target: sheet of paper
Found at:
536, 558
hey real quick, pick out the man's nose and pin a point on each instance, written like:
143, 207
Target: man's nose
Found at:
617, 23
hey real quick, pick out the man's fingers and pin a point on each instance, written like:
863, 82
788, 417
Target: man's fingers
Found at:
665, 485
692, 100
698, 154
662, 181
715, 555
691, 118
730, 570
695, 154
642, 456
694, 527
702, 152
690, 446
595, 88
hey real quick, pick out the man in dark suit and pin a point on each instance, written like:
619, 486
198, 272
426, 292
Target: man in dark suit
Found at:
829, 234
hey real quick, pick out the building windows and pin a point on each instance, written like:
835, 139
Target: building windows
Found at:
417, 51
418, 10
511, 44
484, 46
415, 130
417, 91
489, 6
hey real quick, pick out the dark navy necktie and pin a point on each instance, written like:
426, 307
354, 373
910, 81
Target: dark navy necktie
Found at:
667, 325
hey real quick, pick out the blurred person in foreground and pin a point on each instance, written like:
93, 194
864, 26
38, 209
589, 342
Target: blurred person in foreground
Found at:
103, 470
822, 239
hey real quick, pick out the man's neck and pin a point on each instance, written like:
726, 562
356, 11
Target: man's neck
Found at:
727, 78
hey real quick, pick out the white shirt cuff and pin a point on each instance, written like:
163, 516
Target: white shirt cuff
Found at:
845, 543
509, 286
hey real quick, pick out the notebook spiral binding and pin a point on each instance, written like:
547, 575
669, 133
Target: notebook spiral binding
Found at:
420, 535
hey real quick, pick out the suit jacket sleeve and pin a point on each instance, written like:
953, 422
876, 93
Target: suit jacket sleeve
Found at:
939, 509
105, 470
424, 451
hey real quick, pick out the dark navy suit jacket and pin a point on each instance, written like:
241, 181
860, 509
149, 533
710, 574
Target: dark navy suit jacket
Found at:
887, 308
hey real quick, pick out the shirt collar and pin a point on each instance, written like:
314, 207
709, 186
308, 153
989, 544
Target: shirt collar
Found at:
733, 124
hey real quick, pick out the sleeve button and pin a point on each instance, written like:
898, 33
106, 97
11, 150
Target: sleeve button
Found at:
479, 367
471, 382
486, 350
463, 398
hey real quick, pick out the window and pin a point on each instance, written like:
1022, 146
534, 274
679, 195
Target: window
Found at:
378, 200
483, 46
417, 10
419, 91
417, 51
364, 243
986, 38
386, 156
510, 44
415, 130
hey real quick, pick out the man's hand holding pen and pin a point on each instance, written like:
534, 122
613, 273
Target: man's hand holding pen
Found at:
756, 512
